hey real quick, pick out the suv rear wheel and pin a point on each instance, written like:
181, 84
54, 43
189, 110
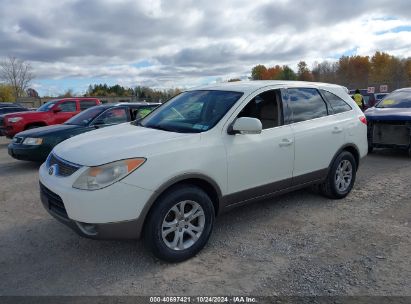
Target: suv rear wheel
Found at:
180, 223
341, 177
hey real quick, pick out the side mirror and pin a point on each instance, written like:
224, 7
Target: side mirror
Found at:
246, 125
56, 109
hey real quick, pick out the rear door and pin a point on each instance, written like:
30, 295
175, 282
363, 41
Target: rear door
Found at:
259, 164
318, 135
66, 109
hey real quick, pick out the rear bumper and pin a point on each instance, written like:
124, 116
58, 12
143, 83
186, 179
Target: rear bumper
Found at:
30, 153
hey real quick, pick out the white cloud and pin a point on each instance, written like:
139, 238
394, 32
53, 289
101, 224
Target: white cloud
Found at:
190, 42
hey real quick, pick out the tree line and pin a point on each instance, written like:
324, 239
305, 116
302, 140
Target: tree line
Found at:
351, 71
140, 92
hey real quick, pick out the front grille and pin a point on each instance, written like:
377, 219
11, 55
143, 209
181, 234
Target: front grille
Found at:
1, 121
55, 203
18, 140
63, 168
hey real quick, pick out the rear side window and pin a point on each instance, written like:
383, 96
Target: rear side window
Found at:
113, 116
68, 106
306, 104
85, 104
265, 107
337, 104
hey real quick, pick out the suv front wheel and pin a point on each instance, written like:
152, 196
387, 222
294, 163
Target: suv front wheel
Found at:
180, 223
341, 176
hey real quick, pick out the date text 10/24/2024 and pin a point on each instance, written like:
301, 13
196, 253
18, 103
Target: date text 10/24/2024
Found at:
203, 299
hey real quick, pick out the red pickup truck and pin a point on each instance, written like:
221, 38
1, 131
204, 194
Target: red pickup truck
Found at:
53, 112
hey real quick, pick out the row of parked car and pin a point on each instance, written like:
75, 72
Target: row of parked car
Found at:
61, 119
166, 174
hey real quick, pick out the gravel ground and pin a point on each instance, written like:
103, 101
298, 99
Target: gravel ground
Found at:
297, 244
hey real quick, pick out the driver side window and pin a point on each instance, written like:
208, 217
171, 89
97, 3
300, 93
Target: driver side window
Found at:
266, 108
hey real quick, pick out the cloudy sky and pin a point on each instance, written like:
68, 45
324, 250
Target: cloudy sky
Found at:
181, 43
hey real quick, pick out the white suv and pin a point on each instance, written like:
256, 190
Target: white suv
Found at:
203, 152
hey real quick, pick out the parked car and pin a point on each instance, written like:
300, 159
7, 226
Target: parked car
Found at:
36, 144
204, 152
380, 96
389, 122
9, 104
51, 113
7, 110
369, 98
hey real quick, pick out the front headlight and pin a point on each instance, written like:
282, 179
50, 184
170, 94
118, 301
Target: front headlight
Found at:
33, 141
95, 178
14, 119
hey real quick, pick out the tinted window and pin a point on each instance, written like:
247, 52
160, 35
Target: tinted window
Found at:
306, 104
113, 116
337, 104
68, 106
399, 99
47, 106
85, 104
85, 117
266, 108
141, 112
192, 111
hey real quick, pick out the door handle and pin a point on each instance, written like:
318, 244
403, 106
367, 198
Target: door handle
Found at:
285, 142
337, 130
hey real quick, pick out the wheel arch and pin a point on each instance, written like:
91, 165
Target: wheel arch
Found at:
204, 182
36, 123
353, 149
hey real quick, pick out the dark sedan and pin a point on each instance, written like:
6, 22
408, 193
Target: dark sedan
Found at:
389, 122
36, 144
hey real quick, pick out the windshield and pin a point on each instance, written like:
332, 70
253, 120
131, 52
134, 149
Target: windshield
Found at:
401, 99
85, 117
192, 112
47, 106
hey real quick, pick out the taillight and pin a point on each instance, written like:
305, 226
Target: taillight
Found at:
363, 120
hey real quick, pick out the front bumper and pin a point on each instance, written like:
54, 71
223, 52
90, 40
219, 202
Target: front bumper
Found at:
389, 134
109, 213
28, 152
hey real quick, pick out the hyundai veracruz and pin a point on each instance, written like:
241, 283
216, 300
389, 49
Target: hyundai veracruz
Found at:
166, 177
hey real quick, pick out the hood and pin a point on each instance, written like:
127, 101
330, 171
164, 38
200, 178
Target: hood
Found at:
24, 114
388, 114
115, 143
48, 130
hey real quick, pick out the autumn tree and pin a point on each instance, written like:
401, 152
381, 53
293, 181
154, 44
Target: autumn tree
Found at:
17, 73
272, 73
257, 72
304, 72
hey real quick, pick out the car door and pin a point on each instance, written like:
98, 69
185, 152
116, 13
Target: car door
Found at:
259, 164
318, 135
65, 110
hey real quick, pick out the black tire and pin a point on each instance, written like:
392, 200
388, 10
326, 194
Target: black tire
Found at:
154, 224
329, 187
